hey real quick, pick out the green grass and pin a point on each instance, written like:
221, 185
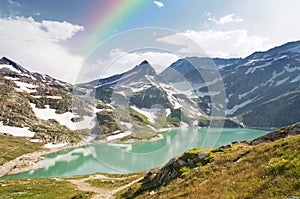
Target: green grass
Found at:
13, 147
40, 188
112, 184
139, 118
269, 170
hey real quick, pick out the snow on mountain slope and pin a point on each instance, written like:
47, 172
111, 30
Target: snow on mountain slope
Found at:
16, 131
88, 122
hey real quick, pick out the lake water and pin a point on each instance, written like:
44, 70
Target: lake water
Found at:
134, 157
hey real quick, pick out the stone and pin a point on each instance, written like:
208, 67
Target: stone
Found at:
202, 155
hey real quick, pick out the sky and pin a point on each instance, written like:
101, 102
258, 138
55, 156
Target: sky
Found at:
83, 40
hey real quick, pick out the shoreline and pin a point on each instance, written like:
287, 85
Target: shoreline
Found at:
29, 161
152, 139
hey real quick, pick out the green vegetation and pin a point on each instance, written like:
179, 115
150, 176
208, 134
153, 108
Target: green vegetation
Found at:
40, 188
268, 170
174, 121
203, 121
139, 118
13, 147
106, 121
113, 183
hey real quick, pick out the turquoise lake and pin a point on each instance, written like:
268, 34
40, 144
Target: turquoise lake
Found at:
134, 157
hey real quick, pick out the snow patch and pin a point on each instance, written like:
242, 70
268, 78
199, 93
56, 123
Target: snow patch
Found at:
54, 97
291, 70
296, 79
281, 81
236, 107
25, 87
11, 78
16, 131
243, 95
146, 112
52, 146
253, 69
10, 67
168, 111
118, 136
127, 124
88, 122
274, 74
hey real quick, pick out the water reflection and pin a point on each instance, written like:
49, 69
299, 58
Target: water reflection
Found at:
133, 157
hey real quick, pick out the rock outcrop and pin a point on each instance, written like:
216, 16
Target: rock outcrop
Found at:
278, 134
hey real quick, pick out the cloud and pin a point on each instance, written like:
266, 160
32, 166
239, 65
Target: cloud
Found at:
60, 30
120, 61
38, 46
159, 4
226, 44
230, 18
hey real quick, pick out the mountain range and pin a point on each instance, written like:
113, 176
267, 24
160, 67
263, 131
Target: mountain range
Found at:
261, 90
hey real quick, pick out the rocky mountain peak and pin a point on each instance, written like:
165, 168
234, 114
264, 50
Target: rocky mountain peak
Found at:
144, 62
6, 61
144, 68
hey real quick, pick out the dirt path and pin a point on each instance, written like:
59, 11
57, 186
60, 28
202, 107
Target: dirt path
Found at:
100, 193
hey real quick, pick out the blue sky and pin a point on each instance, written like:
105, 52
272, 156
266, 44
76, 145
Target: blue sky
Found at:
46, 36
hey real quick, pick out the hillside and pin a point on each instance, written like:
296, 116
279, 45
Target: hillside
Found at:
260, 89
40, 107
266, 170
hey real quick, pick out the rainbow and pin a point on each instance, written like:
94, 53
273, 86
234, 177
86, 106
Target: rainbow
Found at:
104, 16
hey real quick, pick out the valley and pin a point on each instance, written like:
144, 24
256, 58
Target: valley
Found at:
139, 120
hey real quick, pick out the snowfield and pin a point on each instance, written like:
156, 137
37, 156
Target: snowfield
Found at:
146, 112
118, 136
88, 122
53, 146
10, 67
24, 87
16, 131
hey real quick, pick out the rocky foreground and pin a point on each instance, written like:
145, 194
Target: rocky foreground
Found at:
266, 167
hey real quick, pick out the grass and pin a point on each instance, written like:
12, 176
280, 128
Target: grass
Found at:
13, 147
269, 170
112, 184
40, 188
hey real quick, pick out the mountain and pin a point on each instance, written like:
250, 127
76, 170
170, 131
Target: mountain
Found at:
41, 107
266, 84
8, 67
143, 91
262, 90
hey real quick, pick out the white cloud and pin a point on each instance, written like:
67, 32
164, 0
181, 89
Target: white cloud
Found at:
159, 4
120, 62
230, 18
234, 43
37, 46
60, 30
